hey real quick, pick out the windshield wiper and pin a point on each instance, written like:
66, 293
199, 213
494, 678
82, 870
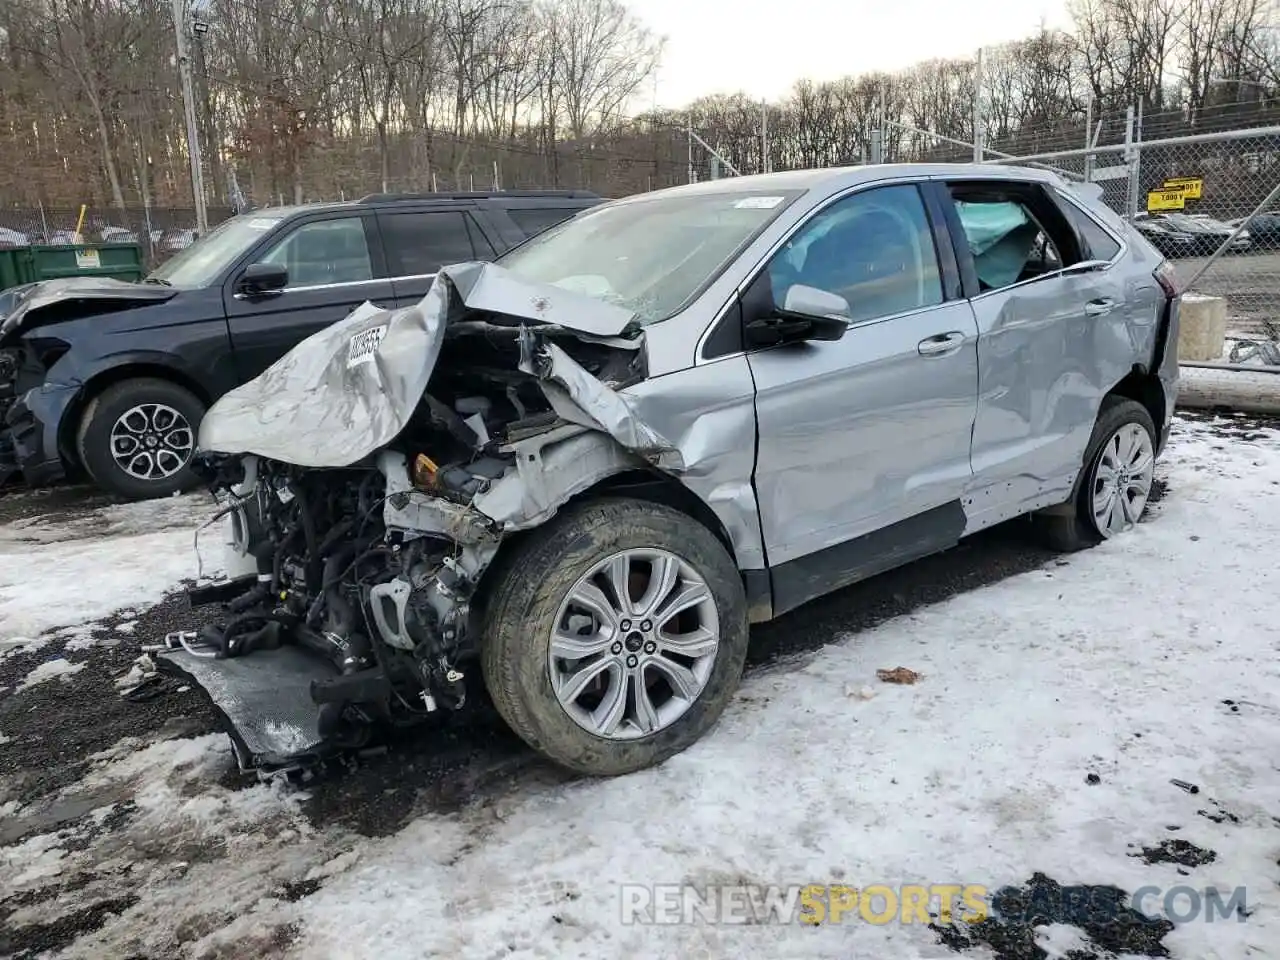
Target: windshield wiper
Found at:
165, 283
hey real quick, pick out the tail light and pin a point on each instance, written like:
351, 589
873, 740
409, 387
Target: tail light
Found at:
1167, 277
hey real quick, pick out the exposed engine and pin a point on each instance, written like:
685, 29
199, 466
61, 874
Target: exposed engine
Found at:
377, 567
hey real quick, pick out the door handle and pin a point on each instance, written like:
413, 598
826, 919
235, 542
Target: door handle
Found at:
941, 345
1100, 307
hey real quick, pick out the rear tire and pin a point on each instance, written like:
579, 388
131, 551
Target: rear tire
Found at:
658, 682
136, 438
1120, 420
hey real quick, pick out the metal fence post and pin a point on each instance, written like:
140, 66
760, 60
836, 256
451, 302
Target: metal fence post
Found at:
1088, 128
1130, 153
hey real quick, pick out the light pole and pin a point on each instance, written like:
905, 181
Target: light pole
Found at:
189, 108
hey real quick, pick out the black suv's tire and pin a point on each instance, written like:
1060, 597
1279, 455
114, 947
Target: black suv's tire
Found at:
149, 420
1079, 529
525, 605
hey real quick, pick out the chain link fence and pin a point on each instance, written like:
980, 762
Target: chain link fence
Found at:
160, 231
1210, 203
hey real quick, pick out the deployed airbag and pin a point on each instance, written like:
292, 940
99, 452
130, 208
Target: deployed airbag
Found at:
1001, 237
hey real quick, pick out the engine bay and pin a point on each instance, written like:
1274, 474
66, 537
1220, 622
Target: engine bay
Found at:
376, 569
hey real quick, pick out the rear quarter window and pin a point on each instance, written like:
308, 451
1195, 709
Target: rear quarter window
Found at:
420, 243
1099, 244
533, 220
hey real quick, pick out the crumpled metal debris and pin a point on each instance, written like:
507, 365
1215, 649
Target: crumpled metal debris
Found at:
1266, 351
578, 397
142, 681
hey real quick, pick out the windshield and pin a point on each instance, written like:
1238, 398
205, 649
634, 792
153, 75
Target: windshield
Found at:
204, 261
651, 255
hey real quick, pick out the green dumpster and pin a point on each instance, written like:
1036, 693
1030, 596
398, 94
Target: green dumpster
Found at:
11, 267
120, 261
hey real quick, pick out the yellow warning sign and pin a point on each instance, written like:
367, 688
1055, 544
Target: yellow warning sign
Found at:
1191, 187
1165, 199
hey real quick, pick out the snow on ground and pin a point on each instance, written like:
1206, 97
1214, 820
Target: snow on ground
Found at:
1054, 710
50, 670
72, 570
166, 797
1115, 662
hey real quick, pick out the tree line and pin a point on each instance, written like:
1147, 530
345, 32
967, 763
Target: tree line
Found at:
304, 100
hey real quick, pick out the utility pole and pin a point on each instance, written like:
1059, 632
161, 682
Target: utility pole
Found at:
978, 153
764, 137
189, 108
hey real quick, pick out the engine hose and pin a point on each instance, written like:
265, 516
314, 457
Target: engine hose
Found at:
277, 561
333, 536
260, 592
233, 625
335, 569
312, 545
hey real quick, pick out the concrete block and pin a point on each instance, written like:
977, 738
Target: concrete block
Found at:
1203, 329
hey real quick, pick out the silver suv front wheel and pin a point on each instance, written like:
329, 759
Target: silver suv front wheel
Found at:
615, 635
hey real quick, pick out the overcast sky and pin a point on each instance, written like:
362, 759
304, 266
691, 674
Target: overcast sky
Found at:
764, 46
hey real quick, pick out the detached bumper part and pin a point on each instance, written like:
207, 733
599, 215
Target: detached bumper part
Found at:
29, 434
265, 702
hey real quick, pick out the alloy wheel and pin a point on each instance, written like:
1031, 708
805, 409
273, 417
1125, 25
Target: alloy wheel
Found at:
634, 644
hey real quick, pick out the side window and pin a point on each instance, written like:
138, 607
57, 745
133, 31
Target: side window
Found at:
533, 220
874, 248
1014, 233
422, 243
1099, 245
325, 251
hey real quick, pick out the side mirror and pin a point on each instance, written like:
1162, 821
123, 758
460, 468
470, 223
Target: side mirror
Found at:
807, 314
260, 279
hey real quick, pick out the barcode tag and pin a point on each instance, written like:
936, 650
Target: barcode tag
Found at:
364, 345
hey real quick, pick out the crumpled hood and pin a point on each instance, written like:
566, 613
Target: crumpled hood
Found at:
17, 304
351, 388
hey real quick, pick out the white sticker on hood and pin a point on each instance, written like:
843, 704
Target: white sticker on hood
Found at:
262, 224
364, 345
758, 203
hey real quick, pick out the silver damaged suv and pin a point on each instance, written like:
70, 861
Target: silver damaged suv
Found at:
579, 473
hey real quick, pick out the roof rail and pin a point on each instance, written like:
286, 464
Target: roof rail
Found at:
480, 195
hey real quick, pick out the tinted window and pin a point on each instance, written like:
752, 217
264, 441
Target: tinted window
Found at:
1099, 245
422, 243
874, 248
325, 251
536, 219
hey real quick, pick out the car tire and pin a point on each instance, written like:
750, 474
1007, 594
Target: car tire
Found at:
136, 423
1120, 420
545, 576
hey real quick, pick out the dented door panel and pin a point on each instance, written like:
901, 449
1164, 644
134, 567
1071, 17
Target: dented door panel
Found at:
1048, 351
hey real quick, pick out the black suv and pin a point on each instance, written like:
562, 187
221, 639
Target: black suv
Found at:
112, 378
